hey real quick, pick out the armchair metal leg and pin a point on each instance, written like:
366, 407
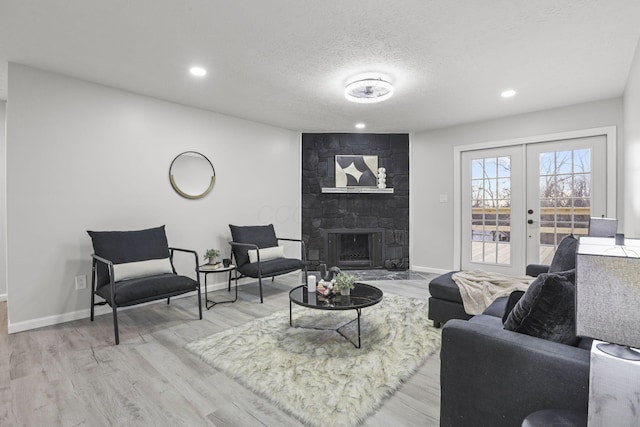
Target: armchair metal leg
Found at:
168, 301
115, 324
199, 303
93, 300
260, 282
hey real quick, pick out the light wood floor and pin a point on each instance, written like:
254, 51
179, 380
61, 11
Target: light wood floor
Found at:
72, 375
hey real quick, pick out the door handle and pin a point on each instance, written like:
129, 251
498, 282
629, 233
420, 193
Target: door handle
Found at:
530, 221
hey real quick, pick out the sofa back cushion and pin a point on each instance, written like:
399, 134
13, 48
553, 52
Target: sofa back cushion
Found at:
565, 257
547, 309
123, 247
263, 236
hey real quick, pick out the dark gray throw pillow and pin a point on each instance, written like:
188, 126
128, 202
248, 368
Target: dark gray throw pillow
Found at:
565, 257
547, 310
514, 297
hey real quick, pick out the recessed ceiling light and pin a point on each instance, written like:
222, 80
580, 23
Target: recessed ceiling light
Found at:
198, 71
508, 93
360, 125
368, 91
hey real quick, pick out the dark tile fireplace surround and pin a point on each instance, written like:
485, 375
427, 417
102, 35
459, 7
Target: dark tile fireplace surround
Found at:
355, 230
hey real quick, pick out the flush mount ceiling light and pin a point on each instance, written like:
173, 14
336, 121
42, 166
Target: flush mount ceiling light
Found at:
360, 126
368, 91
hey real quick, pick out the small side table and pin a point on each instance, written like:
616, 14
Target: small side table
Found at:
207, 269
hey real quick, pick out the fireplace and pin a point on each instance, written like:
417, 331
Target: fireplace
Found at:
355, 248
357, 213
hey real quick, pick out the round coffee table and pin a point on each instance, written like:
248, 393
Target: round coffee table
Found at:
361, 296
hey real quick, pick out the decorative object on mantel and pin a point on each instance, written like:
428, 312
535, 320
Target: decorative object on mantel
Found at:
192, 175
382, 178
356, 171
211, 255
324, 360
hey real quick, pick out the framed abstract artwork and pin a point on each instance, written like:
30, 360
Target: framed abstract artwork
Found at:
356, 171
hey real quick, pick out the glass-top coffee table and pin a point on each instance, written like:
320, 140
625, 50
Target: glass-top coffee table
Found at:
361, 296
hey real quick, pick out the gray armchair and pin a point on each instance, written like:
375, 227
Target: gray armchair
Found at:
251, 243
134, 267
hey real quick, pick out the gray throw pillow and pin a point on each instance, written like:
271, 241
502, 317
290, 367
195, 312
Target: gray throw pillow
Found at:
547, 309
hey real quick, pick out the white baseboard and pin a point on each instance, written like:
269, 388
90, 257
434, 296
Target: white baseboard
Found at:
85, 314
41, 322
429, 270
3, 297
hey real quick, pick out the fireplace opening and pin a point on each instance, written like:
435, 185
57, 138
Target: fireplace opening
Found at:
355, 248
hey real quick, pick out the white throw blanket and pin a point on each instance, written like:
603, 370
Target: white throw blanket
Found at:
480, 288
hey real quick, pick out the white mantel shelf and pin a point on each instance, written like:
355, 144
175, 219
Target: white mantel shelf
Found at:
357, 190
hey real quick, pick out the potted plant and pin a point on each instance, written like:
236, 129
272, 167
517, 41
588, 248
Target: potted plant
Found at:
344, 283
211, 255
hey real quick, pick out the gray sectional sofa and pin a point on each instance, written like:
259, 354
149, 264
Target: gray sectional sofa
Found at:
518, 357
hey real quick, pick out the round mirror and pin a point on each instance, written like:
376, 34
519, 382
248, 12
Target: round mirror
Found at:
192, 175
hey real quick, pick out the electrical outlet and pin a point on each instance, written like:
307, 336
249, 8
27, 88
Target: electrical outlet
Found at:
444, 198
81, 282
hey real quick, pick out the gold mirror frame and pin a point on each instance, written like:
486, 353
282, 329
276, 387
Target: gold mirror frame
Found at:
179, 190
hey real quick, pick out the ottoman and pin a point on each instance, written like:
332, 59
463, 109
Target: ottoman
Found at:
445, 302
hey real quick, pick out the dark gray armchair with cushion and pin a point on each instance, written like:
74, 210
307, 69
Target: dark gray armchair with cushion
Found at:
134, 267
257, 254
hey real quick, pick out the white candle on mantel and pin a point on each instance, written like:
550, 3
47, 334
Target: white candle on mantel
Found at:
311, 283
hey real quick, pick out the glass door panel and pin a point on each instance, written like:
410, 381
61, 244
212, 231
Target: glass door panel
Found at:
564, 199
488, 208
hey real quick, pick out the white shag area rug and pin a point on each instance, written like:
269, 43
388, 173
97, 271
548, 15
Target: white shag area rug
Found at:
318, 376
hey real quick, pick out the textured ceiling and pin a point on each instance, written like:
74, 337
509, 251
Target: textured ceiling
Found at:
286, 62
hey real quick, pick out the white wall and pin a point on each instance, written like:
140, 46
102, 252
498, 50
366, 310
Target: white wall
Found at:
83, 156
631, 224
3, 204
432, 168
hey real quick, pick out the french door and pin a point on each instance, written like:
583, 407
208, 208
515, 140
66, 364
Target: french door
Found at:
518, 202
566, 185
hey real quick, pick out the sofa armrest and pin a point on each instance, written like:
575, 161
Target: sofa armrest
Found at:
493, 377
534, 270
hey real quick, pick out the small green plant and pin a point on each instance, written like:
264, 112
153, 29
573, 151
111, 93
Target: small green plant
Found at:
345, 281
211, 254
